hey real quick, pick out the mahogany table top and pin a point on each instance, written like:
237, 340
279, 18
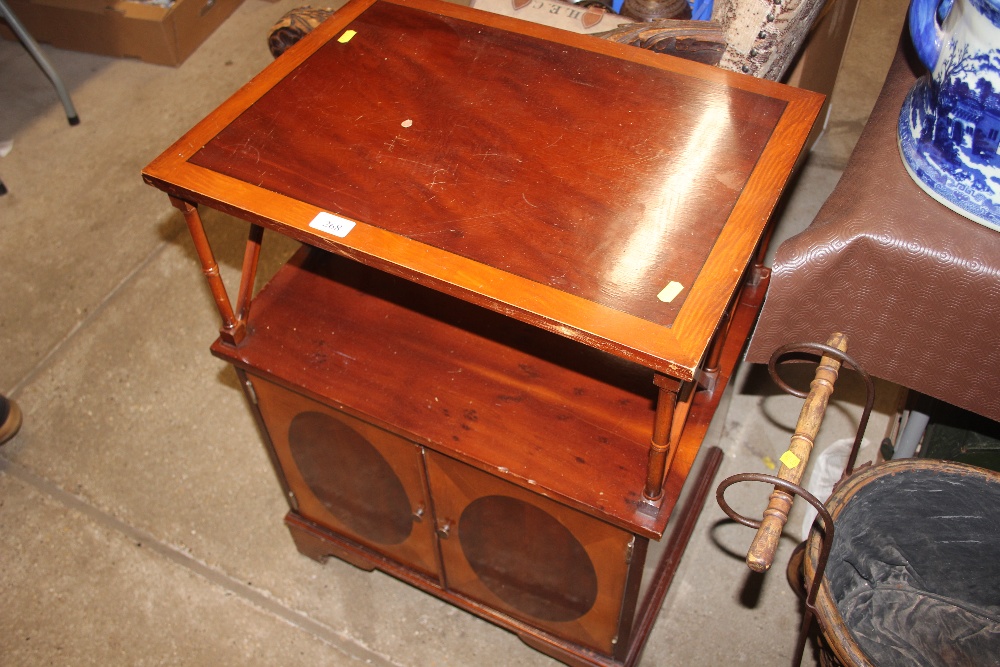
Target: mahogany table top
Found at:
609, 194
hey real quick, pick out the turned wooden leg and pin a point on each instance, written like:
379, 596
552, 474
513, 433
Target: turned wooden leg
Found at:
249, 275
659, 446
231, 331
233, 323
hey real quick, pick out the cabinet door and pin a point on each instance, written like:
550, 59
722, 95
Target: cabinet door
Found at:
521, 553
350, 476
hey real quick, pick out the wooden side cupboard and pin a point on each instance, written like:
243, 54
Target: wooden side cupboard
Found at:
530, 262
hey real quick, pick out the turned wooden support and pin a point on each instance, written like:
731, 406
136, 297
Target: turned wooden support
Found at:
760, 556
233, 330
712, 360
249, 274
660, 446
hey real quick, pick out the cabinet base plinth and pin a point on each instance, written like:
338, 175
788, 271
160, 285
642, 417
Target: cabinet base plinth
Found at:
313, 541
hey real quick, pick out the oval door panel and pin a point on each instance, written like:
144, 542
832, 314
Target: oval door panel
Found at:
527, 558
350, 477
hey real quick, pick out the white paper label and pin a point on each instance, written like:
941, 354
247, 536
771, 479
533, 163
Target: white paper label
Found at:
332, 224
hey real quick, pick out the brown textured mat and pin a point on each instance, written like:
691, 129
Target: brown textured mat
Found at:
915, 286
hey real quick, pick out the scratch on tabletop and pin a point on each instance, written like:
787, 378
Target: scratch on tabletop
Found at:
392, 144
489, 153
643, 160
450, 230
434, 177
455, 229
403, 159
247, 148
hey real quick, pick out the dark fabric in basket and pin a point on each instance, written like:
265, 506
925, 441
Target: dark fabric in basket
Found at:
915, 569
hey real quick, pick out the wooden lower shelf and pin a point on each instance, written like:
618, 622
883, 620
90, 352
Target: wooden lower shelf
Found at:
543, 412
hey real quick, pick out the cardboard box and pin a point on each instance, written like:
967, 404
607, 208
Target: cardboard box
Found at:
154, 34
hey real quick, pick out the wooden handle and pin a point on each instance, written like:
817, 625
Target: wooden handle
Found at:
793, 462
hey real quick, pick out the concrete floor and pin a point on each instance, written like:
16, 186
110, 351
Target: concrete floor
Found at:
140, 522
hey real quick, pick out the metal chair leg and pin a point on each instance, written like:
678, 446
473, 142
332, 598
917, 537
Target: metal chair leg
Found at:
29, 43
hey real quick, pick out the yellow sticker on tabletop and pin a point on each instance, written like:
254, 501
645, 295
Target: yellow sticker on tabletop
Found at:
670, 292
346, 37
790, 460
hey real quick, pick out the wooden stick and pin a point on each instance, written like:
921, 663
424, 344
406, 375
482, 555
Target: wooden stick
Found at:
232, 329
659, 446
793, 462
249, 275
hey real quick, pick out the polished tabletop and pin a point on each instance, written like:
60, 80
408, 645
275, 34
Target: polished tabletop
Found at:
606, 193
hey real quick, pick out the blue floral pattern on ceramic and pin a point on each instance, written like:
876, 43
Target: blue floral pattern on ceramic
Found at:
949, 125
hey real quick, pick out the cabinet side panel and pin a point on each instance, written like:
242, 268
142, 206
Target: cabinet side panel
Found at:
272, 455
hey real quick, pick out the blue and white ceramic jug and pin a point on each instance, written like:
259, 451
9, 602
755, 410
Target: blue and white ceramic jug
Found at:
949, 126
